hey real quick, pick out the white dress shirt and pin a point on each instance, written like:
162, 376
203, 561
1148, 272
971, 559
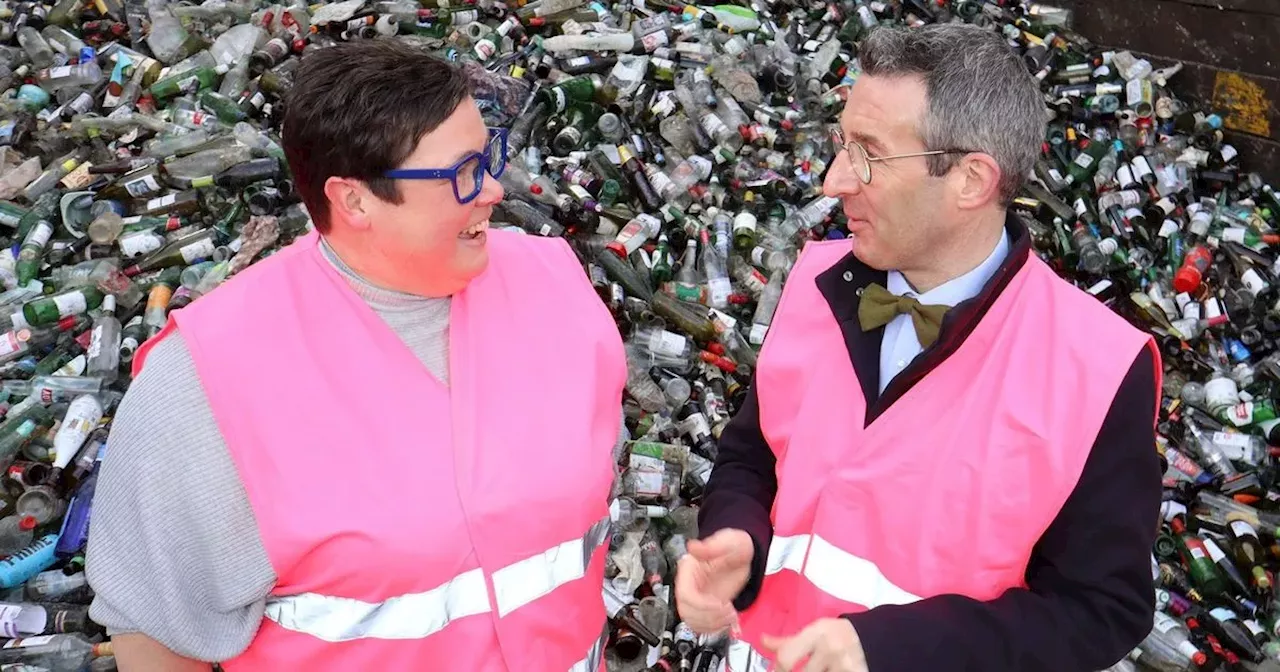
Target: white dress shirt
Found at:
900, 345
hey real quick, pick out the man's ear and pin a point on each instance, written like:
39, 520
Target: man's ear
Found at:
976, 180
349, 201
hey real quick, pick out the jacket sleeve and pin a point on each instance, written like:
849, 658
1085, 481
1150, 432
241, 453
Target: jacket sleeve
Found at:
1089, 596
741, 489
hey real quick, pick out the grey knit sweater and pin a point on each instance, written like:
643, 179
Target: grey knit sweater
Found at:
174, 550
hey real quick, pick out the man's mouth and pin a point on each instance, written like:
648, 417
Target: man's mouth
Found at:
474, 231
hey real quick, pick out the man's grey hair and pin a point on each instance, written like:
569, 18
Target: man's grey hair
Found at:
979, 95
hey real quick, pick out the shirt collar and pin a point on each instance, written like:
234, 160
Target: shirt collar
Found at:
959, 288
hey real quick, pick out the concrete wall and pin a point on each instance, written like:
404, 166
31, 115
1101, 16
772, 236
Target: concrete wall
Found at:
1230, 51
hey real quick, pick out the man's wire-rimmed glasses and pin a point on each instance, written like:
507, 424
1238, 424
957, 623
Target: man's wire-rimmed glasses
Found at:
861, 160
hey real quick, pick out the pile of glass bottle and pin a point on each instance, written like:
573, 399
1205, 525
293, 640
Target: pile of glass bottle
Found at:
681, 149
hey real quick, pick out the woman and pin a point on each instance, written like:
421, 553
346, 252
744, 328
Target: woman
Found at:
387, 446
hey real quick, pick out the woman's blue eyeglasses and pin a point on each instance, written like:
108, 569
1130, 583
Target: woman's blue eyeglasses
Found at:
466, 175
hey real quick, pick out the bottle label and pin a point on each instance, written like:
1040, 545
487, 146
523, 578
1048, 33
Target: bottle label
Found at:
1188, 649
712, 125
1221, 391
71, 303
1169, 228
663, 342
95, 342
745, 222
1084, 160
720, 289
63, 71
758, 332
1125, 177
1100, 287
200, 249
1141, 168
162, 202
1253, 627
1164, 623
1223, 615
654, 40
139, 244
79, 178
9, 343
189, 85
1243, 529
1215, 553
1253, 282
1197, 552
28, 641
141, 186
39, 235
695, 426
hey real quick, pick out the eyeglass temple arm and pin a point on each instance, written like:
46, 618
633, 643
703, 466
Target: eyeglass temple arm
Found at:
907, 156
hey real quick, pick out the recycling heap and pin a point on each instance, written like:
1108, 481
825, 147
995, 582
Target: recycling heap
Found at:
681, 149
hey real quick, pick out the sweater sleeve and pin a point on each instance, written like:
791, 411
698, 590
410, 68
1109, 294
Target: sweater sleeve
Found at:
174, 551
1089, 596
741, 490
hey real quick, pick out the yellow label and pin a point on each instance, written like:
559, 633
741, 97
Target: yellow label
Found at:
79, 178
159, 297
202, 182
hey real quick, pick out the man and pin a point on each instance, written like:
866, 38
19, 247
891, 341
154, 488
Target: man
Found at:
905, 491
332, 461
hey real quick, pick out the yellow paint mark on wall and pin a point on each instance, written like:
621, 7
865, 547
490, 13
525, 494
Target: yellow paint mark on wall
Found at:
1243, 103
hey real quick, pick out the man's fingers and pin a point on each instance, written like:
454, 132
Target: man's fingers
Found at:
791, 652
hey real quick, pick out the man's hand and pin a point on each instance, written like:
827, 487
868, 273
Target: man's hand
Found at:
710, 576
830, 644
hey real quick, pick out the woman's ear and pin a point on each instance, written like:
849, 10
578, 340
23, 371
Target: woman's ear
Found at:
350, 201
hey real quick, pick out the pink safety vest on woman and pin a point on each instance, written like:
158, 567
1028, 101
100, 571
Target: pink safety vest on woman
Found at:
414, 526
949, 489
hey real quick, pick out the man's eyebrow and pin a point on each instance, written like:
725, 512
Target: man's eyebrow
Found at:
869, 141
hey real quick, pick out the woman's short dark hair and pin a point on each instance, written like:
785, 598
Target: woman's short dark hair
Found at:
358, 109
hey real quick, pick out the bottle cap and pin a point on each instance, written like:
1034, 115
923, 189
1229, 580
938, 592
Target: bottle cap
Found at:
1186, 279
27, 523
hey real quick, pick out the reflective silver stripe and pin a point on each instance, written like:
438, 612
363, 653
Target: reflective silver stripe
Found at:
524, 581
743, 658
594, 656
418, 615
848, 577
412, 616
786, 553
835, 571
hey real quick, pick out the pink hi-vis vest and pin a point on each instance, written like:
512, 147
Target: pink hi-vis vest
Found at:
414, 526
949, 489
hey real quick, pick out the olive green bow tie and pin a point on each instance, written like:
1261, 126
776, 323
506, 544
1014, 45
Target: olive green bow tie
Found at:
879, 306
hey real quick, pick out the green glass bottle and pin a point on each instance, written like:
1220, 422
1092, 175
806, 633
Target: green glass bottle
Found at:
1085, 164
32, 251
581, 89
11, 215
661, 271
1204, 573
189, 81
45, 209
49, 309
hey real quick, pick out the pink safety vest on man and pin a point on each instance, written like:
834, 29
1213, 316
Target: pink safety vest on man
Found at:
414, 526
949, 489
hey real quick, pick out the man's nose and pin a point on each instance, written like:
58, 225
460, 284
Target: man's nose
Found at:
840, 180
